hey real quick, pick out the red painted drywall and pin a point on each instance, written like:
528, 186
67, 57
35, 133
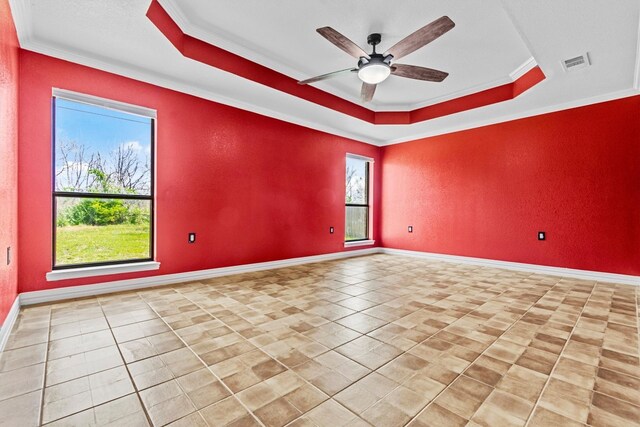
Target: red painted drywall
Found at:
486, 192
8, 158
253, 188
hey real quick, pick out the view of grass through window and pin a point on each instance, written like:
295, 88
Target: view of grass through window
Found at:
103, 192
357, 199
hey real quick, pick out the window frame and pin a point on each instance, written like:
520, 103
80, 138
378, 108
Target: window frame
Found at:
122, 108
367, 191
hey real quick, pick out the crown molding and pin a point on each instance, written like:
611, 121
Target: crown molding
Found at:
522, 69
147, 76
21, 13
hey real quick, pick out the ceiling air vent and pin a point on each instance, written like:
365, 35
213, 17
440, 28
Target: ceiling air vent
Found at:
576, 63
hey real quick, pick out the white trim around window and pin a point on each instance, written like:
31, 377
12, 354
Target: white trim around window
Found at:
355, 243
370, 202
105, 103
101, 270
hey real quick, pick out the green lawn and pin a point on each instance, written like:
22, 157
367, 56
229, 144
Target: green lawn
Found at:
85, 243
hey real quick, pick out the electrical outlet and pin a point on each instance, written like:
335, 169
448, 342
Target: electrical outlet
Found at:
192, 237
542, 235
8, 255
331, 230
410, 229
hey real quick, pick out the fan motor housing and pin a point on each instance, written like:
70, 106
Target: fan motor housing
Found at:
374, 39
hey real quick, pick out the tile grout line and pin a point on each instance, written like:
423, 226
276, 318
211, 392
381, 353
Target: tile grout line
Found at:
330, 349
126, 366
482, 353
291, 369
555, 365
277, 361
231, 393
333, 349
423, 341
46, 363
49, 332
407, 351
414, 346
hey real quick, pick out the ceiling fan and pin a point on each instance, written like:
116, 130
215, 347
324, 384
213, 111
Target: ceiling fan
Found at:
374, 68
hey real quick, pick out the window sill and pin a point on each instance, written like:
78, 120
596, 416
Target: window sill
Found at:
359, 243
102, 270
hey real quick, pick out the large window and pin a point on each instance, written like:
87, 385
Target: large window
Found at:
103, 182
357, 199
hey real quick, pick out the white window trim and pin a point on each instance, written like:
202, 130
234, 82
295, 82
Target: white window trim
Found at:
106, 103
131, 267
369, 241
354, 243
101, 270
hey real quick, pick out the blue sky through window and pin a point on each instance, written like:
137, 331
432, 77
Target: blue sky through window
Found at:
355, 180
89, 136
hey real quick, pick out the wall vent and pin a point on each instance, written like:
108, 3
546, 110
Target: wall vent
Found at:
576, 63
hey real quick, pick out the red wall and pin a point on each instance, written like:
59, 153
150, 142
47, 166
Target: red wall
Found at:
253, 188
8, 158
486, 192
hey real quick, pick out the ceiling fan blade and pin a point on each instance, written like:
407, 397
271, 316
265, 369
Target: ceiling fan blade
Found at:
366, 94
326, 76
418, 73
423, 36
342, 42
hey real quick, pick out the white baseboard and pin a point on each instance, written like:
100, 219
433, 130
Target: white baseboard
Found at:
58, 294
7, 326
532, 268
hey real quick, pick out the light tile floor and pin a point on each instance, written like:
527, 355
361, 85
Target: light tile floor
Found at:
379, 340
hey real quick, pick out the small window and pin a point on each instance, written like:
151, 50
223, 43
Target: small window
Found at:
357, 199
103, 184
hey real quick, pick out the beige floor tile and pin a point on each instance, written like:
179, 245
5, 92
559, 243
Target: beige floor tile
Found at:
79, 327
21, 381
277, 413
377, 340
606, 410
566, 399
202, 388
464, 396
305, 397
79, 344
166, 402
149, 372
542, 418
82, 364
191, 420
27, 337
65, 399
225, 412
123, 411
385, 414
109, 385
437, 416
361, 322
331, 414
23, 410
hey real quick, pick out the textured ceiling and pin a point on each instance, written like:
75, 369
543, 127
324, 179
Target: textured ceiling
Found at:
491, 40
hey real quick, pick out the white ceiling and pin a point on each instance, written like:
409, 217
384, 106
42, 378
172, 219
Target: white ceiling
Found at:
492, 40
483, 48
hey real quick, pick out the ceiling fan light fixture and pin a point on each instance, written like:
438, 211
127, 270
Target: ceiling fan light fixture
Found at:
374, 73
